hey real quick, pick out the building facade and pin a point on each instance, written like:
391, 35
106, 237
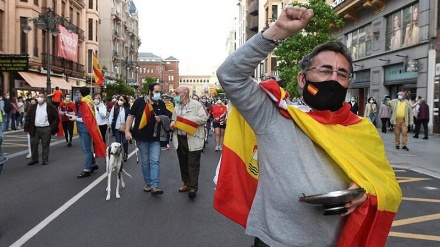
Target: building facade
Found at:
393, 46
164, 71
119, 30
201, 85
42, 46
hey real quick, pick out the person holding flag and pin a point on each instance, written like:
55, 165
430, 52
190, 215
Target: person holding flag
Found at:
88, 130
188, 123
295, 151
146, 112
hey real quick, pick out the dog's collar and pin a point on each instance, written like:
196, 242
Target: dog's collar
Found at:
116, 155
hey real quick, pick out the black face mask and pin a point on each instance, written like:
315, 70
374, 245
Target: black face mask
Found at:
325, 95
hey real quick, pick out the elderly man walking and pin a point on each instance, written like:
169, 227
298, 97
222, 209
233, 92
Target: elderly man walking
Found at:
401, 118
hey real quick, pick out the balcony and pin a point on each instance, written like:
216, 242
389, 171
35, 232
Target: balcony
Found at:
253, 7
80, 3
62, 65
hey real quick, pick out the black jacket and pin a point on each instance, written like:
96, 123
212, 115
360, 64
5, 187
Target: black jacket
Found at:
53, 118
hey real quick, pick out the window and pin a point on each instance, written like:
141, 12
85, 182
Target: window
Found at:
23, 36
35, 33
24, 1
2, 29
90, 34
89, 60
359, 42
402, 28
90, 4
96, 33
36, 2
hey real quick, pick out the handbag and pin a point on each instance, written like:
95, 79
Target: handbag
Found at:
122, 127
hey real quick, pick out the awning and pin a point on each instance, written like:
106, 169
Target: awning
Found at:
40, 80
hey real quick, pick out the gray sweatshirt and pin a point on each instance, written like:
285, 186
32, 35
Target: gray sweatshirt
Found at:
289, 162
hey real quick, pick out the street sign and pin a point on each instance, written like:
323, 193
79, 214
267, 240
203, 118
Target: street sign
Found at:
10, 62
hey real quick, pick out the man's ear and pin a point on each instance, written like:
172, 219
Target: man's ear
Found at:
301, 79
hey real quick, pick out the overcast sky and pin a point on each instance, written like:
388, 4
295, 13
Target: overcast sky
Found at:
193, 31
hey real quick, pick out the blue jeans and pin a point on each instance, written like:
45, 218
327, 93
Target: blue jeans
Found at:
3, 157
120, 138
372, 118
86, 145
150, 155
6, 120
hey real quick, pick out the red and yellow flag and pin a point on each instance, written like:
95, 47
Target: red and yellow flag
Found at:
97, 73
353, 144
89, 121
186, 125
146, 115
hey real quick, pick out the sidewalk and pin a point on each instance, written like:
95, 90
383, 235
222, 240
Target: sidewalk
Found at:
423, 155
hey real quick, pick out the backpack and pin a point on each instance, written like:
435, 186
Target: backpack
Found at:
8, 106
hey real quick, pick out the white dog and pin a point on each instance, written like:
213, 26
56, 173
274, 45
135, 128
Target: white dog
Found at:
114, 161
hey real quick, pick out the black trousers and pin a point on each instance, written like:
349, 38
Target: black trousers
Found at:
423, 122
189, 162
259, 243
68, 130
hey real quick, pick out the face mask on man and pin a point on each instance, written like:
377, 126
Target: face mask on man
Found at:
40, 100
96, 101
203, 100
400, 97
324, 95
120, 102
156, 97
177, 100
67, 99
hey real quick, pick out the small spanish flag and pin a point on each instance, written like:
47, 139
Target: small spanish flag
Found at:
313, 90
146, 115
186, 125
97, 73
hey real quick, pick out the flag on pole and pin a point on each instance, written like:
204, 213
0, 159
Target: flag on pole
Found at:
146, 115
97, 73
186, 125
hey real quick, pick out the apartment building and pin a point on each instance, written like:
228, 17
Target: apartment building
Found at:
394, 46
39, 31
201, 85
119, 34
166, 71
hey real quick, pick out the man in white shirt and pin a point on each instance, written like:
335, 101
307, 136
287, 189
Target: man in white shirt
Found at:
41, 123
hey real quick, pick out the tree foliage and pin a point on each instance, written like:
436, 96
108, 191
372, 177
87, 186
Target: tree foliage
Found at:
146, 83
118, 88
318, 31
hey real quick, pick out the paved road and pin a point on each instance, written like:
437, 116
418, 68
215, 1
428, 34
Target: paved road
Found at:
49, 206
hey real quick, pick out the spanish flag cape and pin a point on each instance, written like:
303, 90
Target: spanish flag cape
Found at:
88, 116
146, 115
352, 142
60, 124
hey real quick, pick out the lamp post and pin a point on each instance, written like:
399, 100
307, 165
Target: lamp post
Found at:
49, 22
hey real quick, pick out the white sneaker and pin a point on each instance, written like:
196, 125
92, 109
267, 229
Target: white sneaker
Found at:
216, 148
28, 156
220, 148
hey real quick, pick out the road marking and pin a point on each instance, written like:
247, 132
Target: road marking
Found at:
414, 236
27, 151
21, 241
410, 179
418, 219
420, 199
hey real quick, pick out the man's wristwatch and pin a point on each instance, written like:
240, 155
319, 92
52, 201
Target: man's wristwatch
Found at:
275, 42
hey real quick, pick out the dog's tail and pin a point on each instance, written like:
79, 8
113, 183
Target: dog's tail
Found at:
126, 173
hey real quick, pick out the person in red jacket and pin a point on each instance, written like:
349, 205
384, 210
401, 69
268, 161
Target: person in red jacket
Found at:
67, 107
218, 113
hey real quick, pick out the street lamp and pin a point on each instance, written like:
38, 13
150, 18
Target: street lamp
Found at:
49, 22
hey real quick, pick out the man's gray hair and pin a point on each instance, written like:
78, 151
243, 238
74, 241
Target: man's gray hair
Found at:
335, 46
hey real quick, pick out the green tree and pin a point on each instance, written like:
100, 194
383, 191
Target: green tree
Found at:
318, 31
146, 83
219, 93
118, 88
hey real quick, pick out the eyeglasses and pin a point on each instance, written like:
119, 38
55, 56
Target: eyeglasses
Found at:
326, 72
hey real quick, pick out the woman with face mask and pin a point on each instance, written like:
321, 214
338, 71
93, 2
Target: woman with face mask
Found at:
100, 114
371, 110
118, 115
67, 107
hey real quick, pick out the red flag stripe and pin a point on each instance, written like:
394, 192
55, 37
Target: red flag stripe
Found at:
187, 121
